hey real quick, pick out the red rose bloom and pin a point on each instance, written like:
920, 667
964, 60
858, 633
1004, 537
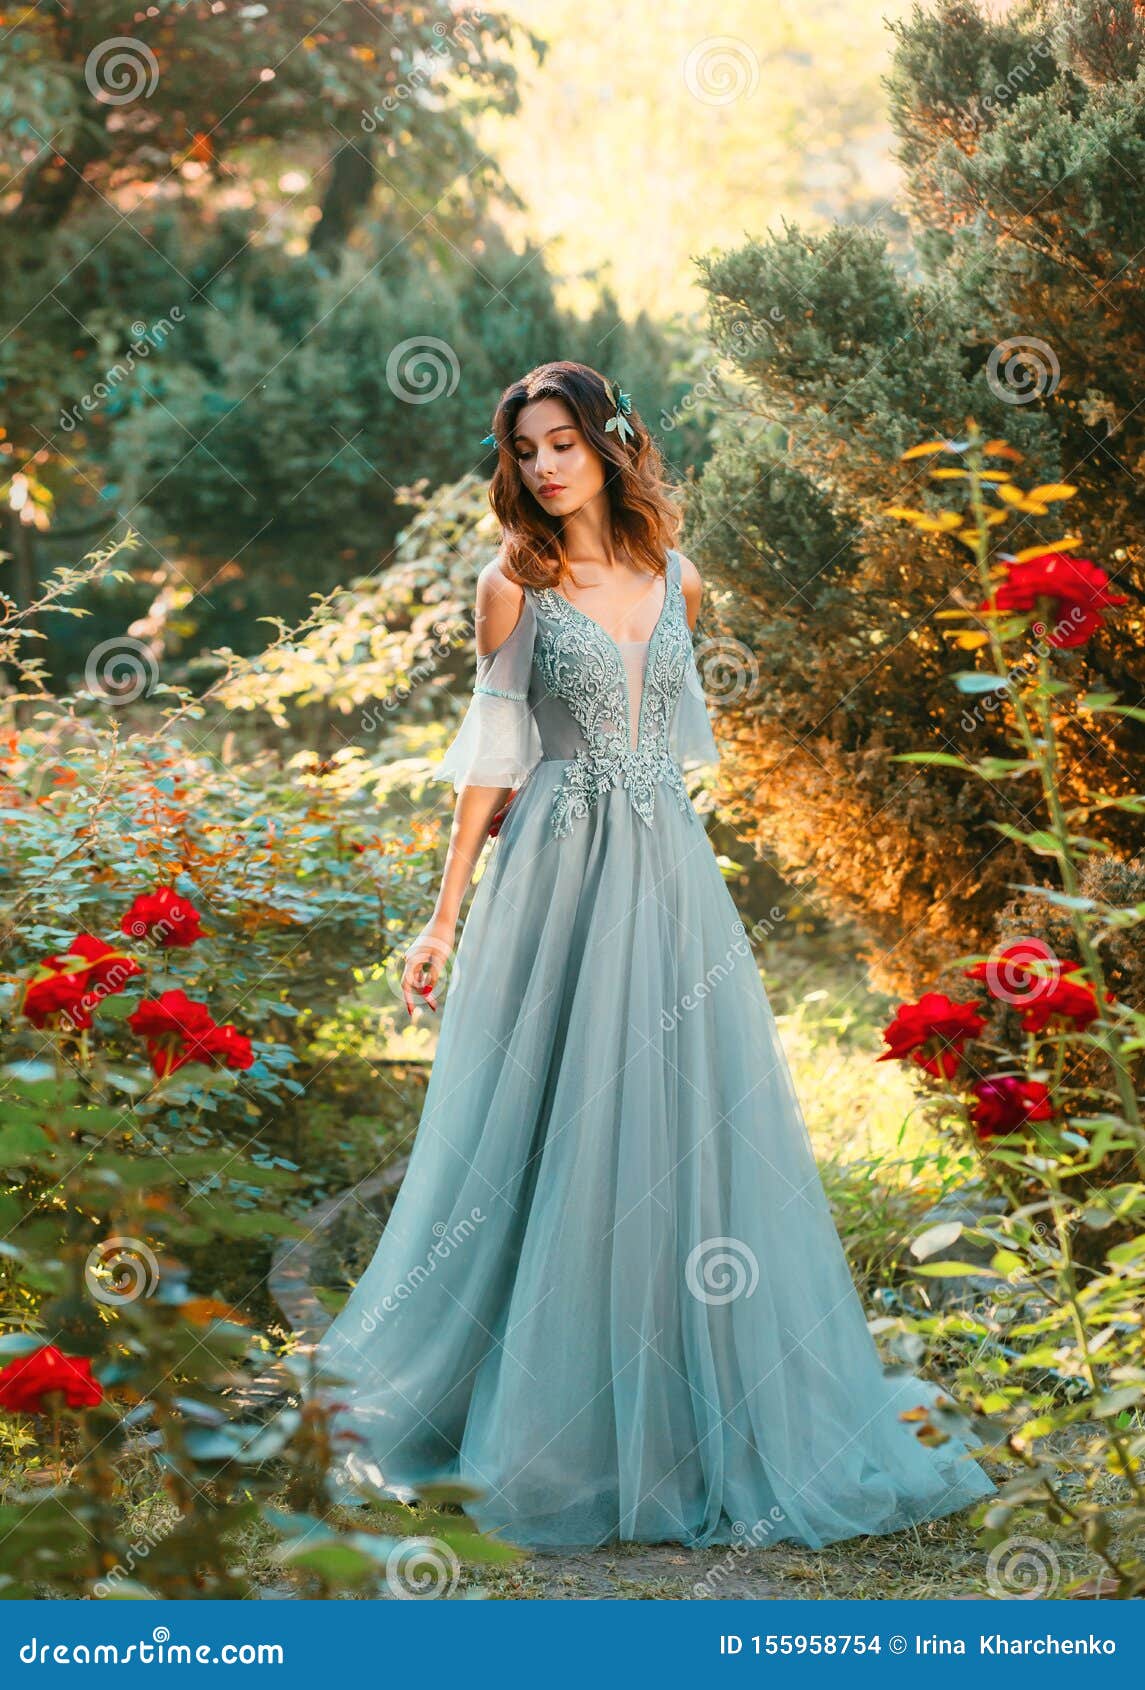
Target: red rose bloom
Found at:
73, 984
26, 1381
933, 1021
1065, 999
164, 916
1073, 590
178, 1031
228, 1047
498, 820
1005, 1103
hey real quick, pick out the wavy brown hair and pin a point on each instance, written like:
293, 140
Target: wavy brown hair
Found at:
645, 521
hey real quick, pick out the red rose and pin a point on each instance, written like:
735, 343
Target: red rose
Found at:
164, 916
73, 984
1065, 999
1070, 591
1005, 1103
25, 1382
498, 820
1030, 977
935, 1021
178, 1031
228, 1047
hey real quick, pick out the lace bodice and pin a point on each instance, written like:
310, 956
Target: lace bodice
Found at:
559, 687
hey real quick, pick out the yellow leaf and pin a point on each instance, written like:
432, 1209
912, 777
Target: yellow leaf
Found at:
969, 537
1002, 449
1052, 491
928, 448
972, 639
941, 524
904, 512
1069, 544
950, 474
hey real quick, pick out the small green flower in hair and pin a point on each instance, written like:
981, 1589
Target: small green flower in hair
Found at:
489, 440
623, 403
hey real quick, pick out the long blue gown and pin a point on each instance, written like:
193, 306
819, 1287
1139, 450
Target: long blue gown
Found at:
610, 1294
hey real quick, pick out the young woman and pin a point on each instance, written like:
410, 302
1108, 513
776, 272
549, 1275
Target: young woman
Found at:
610, 1296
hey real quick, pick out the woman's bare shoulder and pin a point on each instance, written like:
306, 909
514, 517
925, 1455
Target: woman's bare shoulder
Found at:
691, 586
499, 602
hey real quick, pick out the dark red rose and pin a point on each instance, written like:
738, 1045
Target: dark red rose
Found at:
1030, 977
228, 1047
1005, 1103
178, 1031
25, 1382
1068, 593
72, 985
1066, 1000
55, 989
165, 917
933, 1033
173, 1028
498, 820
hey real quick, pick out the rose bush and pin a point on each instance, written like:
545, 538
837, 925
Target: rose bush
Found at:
185, 913
1042, 1069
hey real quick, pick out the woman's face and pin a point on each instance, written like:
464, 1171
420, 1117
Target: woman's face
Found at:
557, 464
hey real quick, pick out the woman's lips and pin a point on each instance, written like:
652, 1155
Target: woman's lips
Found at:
550, 489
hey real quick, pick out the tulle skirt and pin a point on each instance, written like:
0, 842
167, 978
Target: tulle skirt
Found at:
611, 1295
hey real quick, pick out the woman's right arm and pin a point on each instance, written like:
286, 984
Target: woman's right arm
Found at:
499, 607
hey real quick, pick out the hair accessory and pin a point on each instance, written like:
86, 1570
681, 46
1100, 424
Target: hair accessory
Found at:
623, 403
489, 440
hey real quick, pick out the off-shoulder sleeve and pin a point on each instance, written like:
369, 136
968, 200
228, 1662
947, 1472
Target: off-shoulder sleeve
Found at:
690, 737
498, 743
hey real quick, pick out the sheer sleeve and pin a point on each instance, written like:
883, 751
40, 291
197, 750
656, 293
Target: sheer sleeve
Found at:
498, 743
690, 738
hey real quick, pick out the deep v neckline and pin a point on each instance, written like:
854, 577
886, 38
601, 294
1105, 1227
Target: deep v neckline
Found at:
601, 629
618, 654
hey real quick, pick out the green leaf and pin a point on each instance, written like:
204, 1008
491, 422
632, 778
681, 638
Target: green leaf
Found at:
955, 1270
337, 1563
1039, 841
22, 1140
